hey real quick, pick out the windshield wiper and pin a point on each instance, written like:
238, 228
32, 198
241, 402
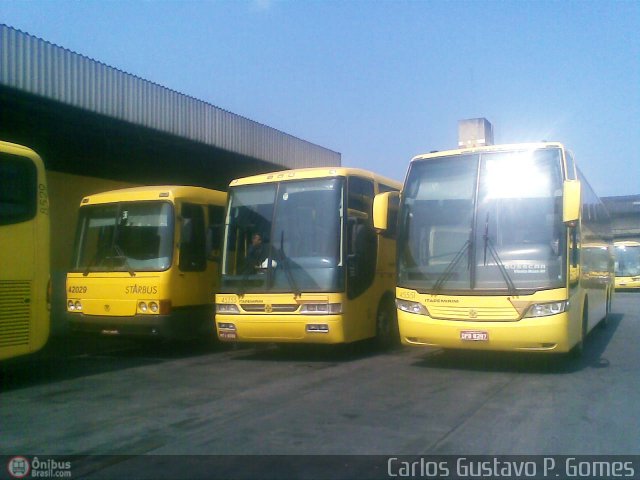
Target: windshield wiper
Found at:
102, 255
125, 262
444, 276
99, 254
287, 267
494, 253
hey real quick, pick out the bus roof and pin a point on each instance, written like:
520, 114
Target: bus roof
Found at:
308, 173
489, 148
157, 192
21, 150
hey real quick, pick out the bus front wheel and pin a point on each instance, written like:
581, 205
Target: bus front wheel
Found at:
605, 321
578, 349
387, 334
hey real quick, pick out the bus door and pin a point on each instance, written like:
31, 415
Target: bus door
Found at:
361, 257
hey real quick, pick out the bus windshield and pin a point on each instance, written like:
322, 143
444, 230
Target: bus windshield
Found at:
284, 237
127, 236
489, 222
627, 260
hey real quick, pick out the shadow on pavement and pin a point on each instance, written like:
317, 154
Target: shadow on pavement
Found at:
76, 356
313, 352
592, 357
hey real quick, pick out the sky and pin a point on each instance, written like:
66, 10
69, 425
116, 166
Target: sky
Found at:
383, 81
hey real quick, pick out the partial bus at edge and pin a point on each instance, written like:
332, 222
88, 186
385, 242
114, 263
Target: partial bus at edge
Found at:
504, 247
146, 263
24, 252
627, 265
325, 277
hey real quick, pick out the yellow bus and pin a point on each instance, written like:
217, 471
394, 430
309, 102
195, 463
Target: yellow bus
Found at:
24, 251
501, 247
301, 261
145, 262
627, 265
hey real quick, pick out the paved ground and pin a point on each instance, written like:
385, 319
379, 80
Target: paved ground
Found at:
102, 396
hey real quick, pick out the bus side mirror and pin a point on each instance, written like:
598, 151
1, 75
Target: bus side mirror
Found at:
571, 201
385, 213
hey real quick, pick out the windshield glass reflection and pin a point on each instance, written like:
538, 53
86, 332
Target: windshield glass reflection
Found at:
284, 237
627, 260
124, 236
489, 222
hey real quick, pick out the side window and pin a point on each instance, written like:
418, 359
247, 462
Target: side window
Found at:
362, 241
192, 239
571, 166
382, 188
216, 229
18, 189
361, 195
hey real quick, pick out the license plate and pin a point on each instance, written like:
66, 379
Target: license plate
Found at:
227, 335
474, 336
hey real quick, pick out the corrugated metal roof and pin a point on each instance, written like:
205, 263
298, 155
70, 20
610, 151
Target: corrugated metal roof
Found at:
38, 67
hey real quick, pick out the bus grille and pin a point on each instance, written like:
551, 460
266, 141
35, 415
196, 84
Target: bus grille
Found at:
474, 314
15, 310
276, 308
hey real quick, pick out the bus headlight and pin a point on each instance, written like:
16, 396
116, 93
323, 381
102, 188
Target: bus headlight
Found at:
142, 306
411, 307
321, 308
78, 306
227, 308
153, 306
71, 306
546, 309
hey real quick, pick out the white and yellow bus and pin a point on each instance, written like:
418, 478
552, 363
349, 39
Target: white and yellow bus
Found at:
24, 251
145, 262
301, 261
502, 247
627, 265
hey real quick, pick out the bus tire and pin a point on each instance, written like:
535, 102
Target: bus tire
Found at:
605, 320
578, 349
387, 334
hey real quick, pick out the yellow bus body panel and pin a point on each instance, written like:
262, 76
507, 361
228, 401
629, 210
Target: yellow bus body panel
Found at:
24, 271
116, 294
259, 322
499, 317
623, 283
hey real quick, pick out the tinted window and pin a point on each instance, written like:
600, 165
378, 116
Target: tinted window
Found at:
135, 236
18, 189
362, 242
361, 195
216, 228
382, 188
571, 167
193, 256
